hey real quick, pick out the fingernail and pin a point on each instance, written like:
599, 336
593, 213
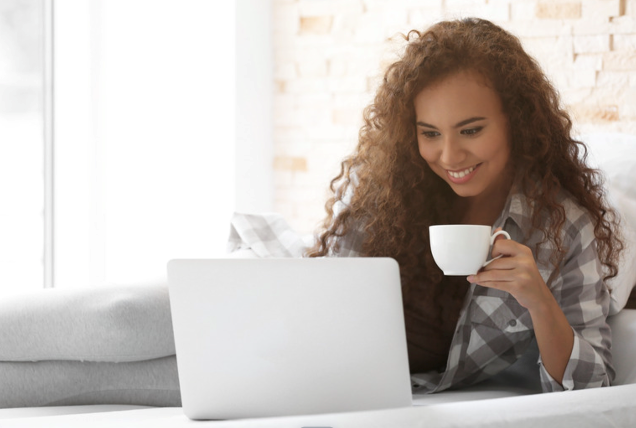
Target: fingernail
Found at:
471, 278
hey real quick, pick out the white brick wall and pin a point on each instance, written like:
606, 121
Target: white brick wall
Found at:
329, 54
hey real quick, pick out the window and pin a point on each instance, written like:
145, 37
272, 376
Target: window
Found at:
146, 133
21, 145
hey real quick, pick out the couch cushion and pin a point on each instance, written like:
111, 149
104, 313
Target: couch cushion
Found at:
107, 324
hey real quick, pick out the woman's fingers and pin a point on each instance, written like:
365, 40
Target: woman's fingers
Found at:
492, 275
509, 248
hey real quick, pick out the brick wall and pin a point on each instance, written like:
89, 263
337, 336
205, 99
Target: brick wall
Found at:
329, 54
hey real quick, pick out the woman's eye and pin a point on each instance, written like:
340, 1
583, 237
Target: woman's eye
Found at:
430, 134
472, 131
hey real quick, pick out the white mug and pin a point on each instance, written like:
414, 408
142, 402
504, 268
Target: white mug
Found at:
462, 249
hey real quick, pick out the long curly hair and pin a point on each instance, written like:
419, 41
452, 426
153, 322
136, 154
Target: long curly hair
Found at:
395, 196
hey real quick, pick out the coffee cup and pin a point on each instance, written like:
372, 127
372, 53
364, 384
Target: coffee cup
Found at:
462, 249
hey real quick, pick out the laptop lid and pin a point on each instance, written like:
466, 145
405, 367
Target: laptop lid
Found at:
274, 337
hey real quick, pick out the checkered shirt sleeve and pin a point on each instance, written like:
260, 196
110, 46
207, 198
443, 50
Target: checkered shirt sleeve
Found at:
582, 295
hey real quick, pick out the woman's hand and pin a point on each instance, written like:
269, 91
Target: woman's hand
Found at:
516, 272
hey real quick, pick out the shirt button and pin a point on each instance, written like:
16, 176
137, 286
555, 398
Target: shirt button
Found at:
512, 323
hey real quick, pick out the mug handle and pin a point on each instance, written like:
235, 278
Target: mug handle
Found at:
492, 241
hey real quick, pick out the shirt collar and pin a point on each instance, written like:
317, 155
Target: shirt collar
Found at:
517, 209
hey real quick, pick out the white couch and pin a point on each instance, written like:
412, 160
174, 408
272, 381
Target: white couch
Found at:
510, 399
43, 336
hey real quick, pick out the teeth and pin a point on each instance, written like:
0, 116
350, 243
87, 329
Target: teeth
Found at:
463, 173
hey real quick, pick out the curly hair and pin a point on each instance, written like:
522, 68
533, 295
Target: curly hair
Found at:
395, 195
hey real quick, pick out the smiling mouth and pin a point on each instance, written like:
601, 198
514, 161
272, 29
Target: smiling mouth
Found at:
462, 173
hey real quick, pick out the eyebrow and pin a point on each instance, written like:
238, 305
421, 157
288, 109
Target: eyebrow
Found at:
458, 125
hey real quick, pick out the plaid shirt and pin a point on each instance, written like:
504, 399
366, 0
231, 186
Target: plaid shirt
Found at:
493, 330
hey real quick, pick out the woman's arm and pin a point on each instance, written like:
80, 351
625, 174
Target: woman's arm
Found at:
554, 337
568, 318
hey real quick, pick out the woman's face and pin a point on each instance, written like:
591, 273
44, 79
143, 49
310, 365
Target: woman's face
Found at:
462, 134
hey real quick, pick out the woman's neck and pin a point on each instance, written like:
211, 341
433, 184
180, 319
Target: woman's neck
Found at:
482, 209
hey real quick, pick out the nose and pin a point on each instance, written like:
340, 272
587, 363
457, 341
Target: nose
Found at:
452, 153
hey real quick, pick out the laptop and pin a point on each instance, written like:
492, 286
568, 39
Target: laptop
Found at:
280, 337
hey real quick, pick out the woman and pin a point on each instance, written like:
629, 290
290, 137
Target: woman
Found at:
465, 128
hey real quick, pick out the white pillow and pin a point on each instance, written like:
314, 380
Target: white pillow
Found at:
615, 155
624, 346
